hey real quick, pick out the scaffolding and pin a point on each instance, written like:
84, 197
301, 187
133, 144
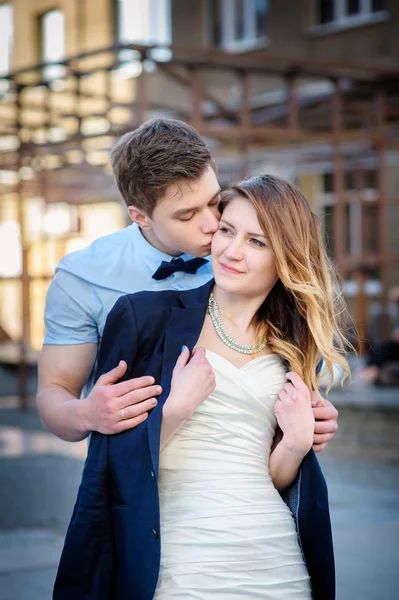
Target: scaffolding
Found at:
59, 120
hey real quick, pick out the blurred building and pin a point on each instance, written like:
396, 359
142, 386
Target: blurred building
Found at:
308, 89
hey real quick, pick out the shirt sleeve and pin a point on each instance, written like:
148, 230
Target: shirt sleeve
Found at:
70, 311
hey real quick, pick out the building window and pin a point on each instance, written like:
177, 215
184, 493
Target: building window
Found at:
6, 38
52, 35
240, 25
367, 181
333, 14
360, 233
143, 22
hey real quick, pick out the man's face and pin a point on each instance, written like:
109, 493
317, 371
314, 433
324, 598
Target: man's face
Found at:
186, 218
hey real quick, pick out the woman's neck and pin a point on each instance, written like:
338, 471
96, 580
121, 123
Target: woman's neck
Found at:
239, 310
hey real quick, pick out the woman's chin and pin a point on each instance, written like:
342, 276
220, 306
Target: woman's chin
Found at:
226, 284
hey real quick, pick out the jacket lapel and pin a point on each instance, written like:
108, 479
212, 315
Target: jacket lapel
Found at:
183, 329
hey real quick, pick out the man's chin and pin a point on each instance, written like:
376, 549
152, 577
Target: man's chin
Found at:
202, 253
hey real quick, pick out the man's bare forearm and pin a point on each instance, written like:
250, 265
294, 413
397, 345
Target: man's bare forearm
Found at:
62, 414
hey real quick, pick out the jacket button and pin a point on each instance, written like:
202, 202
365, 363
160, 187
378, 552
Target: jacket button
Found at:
153, 475
155, 533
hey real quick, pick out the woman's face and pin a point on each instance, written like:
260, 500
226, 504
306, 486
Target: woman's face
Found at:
242, 258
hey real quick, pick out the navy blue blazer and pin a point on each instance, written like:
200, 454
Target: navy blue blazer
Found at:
112, 547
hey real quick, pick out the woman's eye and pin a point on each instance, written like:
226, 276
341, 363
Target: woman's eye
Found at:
257, 242
225, 230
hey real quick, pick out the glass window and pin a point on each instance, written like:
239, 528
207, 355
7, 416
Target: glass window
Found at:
144, 22
347, 12
370, 179
370, 232
328, 183
349, 181
243, 23
377, 5
326, 11
328, 222
238, 18
217, 22
261, 10
53, 42
352, 7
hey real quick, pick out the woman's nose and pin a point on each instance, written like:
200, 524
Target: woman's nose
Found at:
234, 250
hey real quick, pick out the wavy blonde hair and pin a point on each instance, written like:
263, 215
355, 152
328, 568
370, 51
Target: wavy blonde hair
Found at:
302, 318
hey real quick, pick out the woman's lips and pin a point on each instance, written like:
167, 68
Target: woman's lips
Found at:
230, 269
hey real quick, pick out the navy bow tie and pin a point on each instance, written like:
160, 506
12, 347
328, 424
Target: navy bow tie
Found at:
178, 264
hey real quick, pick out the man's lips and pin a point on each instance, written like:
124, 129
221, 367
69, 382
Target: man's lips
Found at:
230, 269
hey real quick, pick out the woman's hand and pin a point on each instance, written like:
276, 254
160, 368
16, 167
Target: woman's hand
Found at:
295, 415
192, 382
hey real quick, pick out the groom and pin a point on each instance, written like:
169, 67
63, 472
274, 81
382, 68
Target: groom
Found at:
167, 177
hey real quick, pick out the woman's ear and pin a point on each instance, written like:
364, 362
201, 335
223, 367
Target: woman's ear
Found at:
139, 217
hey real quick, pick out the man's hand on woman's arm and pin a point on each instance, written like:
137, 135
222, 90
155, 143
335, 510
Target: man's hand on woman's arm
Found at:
109, 408
326, 425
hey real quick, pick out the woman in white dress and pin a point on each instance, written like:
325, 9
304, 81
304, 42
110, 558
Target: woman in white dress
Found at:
233, 428
225, 530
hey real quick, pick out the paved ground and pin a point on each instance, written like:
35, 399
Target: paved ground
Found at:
39, 475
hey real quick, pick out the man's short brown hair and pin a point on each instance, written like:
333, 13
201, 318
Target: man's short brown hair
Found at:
159, 153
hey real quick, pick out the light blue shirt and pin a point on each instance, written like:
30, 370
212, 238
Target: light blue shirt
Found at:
87, 283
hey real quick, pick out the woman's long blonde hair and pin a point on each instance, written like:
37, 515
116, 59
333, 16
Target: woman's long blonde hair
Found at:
301, 319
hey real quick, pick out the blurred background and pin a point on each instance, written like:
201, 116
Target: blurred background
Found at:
304, 89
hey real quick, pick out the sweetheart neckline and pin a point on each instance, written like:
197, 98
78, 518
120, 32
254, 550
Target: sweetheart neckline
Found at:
253, 360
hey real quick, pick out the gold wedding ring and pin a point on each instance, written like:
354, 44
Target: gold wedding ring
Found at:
123, 414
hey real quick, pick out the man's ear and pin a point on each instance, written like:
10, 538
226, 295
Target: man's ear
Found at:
139, 217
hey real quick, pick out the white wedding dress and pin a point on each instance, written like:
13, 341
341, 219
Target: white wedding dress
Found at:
226, 533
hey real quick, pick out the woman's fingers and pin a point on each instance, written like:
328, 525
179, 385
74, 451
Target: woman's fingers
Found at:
290, 389
283, 396
183, 359
297, 382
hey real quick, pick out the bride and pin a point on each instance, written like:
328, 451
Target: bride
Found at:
233, 430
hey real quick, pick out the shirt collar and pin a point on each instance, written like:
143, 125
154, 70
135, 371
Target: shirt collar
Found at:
150, 256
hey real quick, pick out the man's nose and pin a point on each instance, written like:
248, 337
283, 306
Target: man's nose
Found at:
211, 221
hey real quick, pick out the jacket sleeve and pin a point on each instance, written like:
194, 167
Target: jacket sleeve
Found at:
120, 339
86, 569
